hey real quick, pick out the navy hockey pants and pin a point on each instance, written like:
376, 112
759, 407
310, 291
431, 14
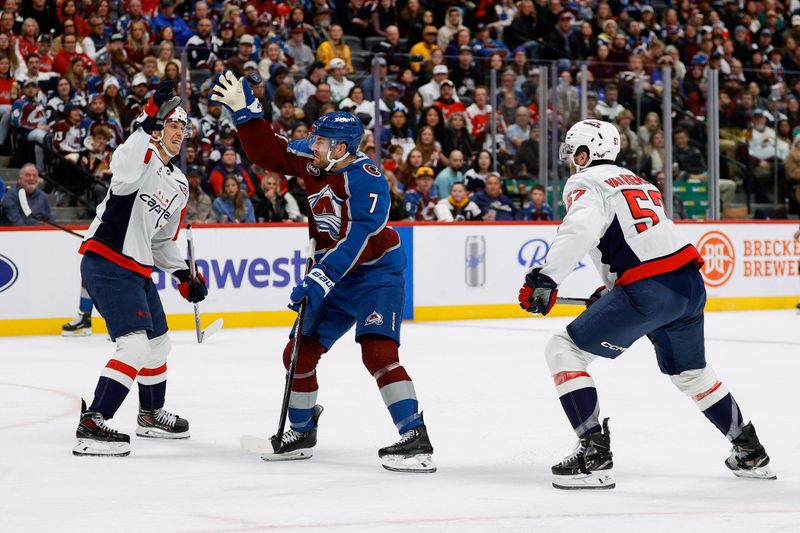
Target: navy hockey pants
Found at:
668, 308
126, 300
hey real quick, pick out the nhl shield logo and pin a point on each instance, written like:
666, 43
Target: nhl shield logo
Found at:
374, 319
314, 171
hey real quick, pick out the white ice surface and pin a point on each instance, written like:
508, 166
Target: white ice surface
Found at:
491, 411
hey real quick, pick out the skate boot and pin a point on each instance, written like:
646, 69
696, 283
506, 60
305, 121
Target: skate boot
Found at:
295, 445
748, 457
589, 466
80, 326
161, 424
96, 438
412, 453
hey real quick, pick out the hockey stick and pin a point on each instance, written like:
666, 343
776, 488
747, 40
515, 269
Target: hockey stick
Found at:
26, 210
215, 326
256, 444
572, 301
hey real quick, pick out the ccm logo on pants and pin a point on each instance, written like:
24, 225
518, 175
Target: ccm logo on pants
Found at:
613, 347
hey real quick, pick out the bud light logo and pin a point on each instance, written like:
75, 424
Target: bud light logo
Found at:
534, 252
8, 273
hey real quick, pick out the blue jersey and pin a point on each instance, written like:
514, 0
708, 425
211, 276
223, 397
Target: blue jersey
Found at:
348, 210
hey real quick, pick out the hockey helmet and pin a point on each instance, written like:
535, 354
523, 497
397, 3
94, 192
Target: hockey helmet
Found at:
179, 114
338, 127
600, 138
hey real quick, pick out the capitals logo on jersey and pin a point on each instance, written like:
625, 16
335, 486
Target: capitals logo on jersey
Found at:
327, 210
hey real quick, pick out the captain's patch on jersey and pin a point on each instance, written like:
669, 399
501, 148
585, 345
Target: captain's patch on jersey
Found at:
372, 169
374, 319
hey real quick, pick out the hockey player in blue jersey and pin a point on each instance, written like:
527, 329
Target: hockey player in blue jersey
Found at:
652, 287
134, 231
358, 276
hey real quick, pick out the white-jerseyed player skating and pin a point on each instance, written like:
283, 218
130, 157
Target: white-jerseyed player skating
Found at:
652, 287
135, 229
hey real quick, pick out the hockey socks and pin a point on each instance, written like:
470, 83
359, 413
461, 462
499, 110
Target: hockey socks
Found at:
578, 397
303, 396
718, 405
379, 355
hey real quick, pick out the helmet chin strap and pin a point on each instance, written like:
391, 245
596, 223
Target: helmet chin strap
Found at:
332, 161
164, 146
578, 167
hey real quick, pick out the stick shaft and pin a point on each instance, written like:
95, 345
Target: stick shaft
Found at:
193, 274
572, 301
298, 328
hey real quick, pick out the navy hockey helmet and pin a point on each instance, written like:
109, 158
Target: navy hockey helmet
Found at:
339, 127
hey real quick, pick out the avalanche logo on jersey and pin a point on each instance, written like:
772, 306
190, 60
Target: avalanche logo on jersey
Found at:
327, 210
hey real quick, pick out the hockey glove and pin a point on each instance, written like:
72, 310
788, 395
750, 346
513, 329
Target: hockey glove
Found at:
538, 294
598, 293
194, 291
237, 96
162, 103
313, 289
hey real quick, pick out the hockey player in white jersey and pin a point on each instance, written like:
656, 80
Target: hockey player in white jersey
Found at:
652, 287
134, 231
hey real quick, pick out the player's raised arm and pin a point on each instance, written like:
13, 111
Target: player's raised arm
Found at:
128, 158
260, 142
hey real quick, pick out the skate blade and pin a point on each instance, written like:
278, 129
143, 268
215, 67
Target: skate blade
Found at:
602, 480
90, 447
155, 433
77, 333
295, 455
762, 472
421, 463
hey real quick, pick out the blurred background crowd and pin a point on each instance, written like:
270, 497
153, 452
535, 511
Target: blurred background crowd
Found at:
453, 145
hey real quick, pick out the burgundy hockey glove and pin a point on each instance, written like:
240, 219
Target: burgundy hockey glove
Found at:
538, 295
598, 293
194, 291
162, 103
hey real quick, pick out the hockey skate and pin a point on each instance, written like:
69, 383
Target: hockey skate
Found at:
96, 438
80, 326
295, 445
412, 453
161, 424
748, 457
589, 466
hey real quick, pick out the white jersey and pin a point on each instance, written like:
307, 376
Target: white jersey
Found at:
617, 218
139, 219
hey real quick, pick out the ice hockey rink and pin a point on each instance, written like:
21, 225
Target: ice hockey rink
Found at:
490, 407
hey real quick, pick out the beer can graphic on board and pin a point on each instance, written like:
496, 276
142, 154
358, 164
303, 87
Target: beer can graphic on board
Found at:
475, 261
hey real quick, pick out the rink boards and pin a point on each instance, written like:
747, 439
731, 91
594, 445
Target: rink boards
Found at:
456, 271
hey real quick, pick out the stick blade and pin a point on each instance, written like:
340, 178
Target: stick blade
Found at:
23, 203
211, 329
256, 444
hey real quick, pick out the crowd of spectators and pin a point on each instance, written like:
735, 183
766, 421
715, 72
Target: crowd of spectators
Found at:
74, 75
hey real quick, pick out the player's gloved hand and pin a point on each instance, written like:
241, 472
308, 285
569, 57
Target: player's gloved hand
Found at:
161, 103
313, 289
598, 293
538, 294
237, 96
194, 291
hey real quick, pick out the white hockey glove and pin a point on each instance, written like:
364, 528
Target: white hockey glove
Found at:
237, 96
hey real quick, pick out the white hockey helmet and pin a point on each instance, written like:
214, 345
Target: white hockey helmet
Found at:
179, 114
600, 138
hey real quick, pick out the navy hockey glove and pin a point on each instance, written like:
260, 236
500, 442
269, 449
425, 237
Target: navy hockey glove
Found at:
237, 96
194, 291
598, 293
161, 103
538, 294
313, 289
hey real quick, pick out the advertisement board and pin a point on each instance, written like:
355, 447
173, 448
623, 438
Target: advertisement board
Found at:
456, 271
